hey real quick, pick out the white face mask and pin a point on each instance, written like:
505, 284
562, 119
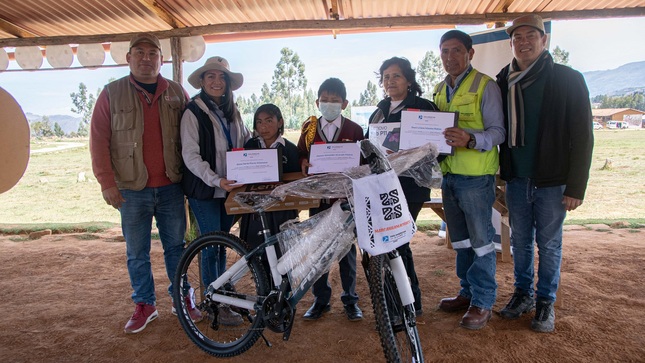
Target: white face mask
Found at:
330, 111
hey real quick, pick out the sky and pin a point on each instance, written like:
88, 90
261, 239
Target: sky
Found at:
354, 58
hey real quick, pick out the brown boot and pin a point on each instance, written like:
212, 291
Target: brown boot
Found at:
452, 304
475, 318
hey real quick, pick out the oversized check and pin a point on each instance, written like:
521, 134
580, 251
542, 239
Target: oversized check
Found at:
253, 166
335, 157
421, 127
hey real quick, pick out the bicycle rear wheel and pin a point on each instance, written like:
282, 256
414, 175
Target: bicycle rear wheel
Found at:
395, 322
219, 334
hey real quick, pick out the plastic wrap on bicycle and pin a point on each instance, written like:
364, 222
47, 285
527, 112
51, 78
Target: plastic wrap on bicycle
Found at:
310, 247
419, 163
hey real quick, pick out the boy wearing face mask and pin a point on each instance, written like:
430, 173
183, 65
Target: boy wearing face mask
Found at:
331, 128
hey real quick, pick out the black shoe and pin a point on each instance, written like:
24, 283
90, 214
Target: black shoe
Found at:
316, 310
520, 303
353, 312
544, 320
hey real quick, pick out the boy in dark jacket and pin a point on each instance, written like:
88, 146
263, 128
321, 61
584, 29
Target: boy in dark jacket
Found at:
331, 128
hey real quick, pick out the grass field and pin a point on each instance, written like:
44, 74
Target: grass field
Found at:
51, 194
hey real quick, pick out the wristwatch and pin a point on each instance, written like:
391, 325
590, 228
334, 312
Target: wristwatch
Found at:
472, 142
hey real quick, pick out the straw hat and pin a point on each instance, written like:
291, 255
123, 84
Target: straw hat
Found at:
219, 64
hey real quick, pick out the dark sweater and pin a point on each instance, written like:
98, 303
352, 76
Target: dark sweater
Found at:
349, 132
413, 192
250, 224
564, 135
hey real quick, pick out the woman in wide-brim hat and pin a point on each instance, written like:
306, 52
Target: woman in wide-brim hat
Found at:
211, 126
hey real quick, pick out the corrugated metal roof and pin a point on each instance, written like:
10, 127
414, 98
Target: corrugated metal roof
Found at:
77, 18
60, 22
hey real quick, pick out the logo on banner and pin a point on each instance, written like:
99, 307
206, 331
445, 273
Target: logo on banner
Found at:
391, 205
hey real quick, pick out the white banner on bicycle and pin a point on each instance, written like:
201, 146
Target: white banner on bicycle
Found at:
383, 220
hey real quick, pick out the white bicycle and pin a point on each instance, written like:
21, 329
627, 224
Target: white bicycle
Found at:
267, 297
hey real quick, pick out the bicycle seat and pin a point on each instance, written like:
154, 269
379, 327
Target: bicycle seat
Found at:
256, 201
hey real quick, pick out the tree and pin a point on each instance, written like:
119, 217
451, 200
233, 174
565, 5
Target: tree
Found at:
58, 131
289, 79
370, 96
634, 100
84, 105
561, 56
243, 105
430, 72
266, 95
42, 128
254, 102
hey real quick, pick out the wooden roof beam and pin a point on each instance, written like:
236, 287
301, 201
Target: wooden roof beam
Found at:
162, 13
394, 23
15, 30
502, 7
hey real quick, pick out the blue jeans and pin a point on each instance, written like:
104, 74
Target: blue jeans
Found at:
166, 205
211, 216
468, 207
536, 214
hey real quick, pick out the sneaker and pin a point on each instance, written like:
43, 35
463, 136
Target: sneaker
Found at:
519, 304
229, 317
195, 315
544, 320
143, 314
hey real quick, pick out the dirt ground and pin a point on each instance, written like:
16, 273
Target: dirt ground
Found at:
65, 298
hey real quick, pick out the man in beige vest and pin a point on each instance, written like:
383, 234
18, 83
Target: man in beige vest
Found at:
136, 158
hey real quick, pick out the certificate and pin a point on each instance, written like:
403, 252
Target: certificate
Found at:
385, 135
335, 157
253, 166
421, 127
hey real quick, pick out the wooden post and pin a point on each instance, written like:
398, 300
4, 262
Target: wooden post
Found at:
177, 61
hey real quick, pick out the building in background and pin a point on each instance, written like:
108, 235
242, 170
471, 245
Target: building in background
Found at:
620, 118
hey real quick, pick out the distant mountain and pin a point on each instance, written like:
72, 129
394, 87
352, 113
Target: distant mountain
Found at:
67, 123
628, 78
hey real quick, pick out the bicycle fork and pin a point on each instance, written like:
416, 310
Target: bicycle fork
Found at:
398, 270
402, 280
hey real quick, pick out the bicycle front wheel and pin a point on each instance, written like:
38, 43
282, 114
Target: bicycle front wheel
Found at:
219, 329
395, 322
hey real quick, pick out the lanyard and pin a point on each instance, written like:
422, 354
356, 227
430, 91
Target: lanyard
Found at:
226, 131
470, 68
332, 136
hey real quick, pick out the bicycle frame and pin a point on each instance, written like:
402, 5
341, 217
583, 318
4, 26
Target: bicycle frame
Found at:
266, 296
277, 273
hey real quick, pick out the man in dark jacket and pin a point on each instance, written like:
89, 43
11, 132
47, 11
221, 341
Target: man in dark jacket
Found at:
545, 162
